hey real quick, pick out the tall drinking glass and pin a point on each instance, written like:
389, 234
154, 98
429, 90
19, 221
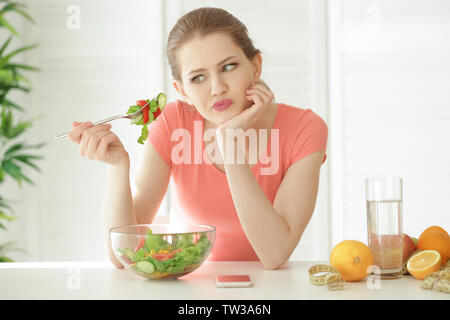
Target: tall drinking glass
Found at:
385, 224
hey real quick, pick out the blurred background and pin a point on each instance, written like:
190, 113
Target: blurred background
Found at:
378, 73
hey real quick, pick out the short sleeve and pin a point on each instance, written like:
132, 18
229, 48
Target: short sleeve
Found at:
160, 130
311, 137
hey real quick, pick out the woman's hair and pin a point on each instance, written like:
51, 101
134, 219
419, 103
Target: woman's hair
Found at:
201, 22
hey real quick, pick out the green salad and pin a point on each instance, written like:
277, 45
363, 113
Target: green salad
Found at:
156, 258
152, 110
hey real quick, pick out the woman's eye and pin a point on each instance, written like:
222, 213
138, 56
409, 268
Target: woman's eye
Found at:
200, 77
197, 78
229, 66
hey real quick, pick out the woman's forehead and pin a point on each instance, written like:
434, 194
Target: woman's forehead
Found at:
207, 51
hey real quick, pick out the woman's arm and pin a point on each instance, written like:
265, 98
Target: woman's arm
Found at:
120, 207
117, 209
275, 230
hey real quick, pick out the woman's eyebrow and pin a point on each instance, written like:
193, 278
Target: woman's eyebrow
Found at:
202, 69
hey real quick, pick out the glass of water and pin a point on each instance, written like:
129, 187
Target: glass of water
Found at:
385, 224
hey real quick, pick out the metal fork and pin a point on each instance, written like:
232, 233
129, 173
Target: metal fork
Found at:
132, 116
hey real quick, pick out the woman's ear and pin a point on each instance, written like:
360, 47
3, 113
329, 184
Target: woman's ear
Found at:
179, 88
257, 67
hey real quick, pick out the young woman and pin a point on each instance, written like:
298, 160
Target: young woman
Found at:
260, 207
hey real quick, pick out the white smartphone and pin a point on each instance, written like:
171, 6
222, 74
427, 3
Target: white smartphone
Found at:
233, 281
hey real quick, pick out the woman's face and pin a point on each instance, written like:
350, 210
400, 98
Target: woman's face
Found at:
214, 68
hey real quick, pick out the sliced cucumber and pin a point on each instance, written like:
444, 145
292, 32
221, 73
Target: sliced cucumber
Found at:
128, 253
161, 101
145, 266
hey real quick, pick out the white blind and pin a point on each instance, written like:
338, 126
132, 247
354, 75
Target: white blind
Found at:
389, 105
291, 36
88, 73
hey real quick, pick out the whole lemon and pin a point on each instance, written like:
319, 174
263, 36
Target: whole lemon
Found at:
351, 258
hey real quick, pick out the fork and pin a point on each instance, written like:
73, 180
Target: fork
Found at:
131, 116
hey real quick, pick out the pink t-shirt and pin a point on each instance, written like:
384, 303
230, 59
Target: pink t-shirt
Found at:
202, 189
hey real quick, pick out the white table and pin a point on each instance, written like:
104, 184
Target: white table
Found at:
100, 280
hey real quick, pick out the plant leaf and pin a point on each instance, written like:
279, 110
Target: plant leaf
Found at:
6, 121
17, 87
15, 172
25, 15
21, 66
5, 45
5, 259
6, 245
19, 129
6, 24
4, 205
9, 247
14, 148
6, 58
9, 103
25, 159
4, 216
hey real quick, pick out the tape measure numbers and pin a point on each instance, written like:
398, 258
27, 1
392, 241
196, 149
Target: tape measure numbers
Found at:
332, 278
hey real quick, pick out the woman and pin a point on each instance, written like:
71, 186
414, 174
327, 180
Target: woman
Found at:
261, 207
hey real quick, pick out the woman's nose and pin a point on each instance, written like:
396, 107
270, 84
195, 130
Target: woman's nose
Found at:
218, 87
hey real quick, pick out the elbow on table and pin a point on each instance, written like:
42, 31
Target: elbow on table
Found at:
273, 265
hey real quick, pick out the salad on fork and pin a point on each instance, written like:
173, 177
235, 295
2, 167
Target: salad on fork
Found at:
153, 108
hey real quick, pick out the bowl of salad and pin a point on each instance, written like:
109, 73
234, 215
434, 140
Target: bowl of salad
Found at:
162, 251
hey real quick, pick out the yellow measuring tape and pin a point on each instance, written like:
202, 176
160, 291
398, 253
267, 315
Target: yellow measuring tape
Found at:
332, 278
438, 281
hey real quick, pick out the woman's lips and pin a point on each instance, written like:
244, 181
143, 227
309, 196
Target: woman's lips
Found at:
222, 104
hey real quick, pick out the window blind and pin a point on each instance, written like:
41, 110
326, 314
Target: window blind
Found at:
88, 73
389, 97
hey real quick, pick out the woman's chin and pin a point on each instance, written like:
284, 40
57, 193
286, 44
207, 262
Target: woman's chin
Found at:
225, 117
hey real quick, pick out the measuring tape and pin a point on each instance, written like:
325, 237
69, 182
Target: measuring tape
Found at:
438, 281
332, 278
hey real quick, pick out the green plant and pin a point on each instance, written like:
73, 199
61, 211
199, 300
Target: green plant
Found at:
13, 153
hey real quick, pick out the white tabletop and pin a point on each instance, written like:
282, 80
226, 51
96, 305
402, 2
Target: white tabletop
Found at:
100, 280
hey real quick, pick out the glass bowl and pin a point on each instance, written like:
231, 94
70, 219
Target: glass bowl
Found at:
162, 251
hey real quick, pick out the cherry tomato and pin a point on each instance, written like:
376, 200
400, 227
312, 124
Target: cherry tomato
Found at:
156, 113
165, 256
146, 110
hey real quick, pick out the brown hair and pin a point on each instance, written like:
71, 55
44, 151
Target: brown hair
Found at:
201, 22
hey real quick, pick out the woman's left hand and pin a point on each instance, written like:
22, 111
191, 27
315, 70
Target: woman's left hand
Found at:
262, 98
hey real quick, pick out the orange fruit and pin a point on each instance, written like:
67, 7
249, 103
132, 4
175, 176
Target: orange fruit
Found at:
435, 240
424, 263
433, 228
351, 258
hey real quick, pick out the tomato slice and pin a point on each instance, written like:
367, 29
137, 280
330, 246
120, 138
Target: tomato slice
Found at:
156, 113
165, 256
161, 256
145, 112
141, 103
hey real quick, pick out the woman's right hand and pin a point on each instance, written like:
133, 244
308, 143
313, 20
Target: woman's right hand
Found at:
98, 143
